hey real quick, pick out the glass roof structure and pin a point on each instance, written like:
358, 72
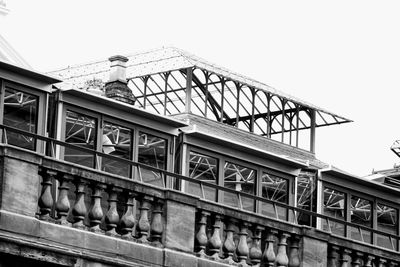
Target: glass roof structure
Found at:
170, 81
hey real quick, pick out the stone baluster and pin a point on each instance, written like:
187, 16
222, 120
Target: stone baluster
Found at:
392, 264
368, 261
269, 253
157, 227
63, 205
46, 198
333, 255
344, 257
215, 243
201, 236
382, 262
79, 208
112, 216
255, 253
143, 225
229, 246
356, 259
294, 259
128, 220
96, 212
242, 249
282, 259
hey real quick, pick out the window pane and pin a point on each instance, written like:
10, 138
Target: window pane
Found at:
116, 141
274, 188
240, 179
203, 168
20, 111
80, 130
152, 152
334, 206
387, 222
360, 211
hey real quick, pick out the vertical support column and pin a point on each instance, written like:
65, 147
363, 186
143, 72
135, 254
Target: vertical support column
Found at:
145, 79
312, 130
221, 118
46, 199
112, 216
238, 87
333, 256
368, 261
294, 259
79, 209
344, 257
166, 75
63, 205
96, 212
253, 103
201, 236
188, 100
143, 226
255, 253
282, 259
229, 245
269, 122
215, 243
269, 253
128, 220
157, 227
242, 249
356, 259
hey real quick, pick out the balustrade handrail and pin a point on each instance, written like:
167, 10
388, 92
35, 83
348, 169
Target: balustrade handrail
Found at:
202, 183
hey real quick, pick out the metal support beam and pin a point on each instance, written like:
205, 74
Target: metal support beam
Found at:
312, 131
188, 101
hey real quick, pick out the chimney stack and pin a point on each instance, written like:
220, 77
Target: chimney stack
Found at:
117, 85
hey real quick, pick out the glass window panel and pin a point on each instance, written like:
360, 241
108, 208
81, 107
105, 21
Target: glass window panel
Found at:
80, 130
152, 152
387, 222
274, 188
334, 206
116, 141
241, 179
203, 168
20, 111
360, 212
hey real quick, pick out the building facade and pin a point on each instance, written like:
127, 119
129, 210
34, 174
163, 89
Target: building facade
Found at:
163, 159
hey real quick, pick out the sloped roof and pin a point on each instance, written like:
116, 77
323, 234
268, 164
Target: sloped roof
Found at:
167, 59
9, 55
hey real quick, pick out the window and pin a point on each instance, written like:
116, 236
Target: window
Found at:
334, 206
81, 131
21, 112
360, 213
239, 178
274, 188
387, 222
117, 142
204, 168
152, 152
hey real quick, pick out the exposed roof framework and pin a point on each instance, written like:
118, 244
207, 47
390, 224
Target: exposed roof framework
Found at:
170, 81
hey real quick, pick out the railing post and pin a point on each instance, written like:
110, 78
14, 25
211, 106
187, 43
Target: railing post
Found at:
242, 249
79, 209
63, 205
112, 216
229, 245
128, 220
269, 253
294, 260
143, 226
214, 243
356, 259
333, 255
46, 199
282, 259
201, 236
255, 253
96, 212
382, 262
368, 261
157, 227
344, 257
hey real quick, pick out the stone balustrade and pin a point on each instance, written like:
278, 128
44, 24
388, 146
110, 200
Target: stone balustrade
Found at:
239, 242
101, 207
65, 206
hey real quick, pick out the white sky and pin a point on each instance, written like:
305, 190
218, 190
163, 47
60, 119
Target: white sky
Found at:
340, 55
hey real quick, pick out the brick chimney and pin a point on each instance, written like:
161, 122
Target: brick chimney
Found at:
117, 85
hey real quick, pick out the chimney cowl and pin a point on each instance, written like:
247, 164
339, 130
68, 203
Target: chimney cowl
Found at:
117, 85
